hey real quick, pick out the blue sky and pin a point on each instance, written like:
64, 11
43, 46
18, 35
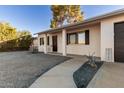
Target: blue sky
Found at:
37, 18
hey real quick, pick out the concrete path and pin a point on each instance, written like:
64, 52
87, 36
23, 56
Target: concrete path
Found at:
61, 76
110, 75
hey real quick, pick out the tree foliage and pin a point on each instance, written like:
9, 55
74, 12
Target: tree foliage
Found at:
7, 32
23, 33
65, 14
11, 39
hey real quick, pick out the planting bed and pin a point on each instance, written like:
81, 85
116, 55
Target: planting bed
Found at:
85, 73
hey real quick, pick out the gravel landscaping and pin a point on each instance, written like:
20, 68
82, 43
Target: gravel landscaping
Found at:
85, 73
21, 69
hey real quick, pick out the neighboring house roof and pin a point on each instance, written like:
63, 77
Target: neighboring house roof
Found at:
34, 38
114, 13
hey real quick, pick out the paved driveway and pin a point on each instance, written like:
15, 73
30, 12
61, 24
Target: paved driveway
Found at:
21, 69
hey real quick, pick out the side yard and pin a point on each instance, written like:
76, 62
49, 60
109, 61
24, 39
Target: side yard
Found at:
21, 69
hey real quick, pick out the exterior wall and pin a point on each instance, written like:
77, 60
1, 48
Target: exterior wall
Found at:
41, 47
49, 48
94, 45
107, 35
78, 49
101, 38
35, 42
59, 41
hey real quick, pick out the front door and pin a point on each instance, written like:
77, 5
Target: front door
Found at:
54, 40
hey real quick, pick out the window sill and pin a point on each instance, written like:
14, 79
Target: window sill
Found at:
77, 44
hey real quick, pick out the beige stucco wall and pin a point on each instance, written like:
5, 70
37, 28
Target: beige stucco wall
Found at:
41, 47
94, 45
78, 49
59, 41
107, 35
49, 48
35, 42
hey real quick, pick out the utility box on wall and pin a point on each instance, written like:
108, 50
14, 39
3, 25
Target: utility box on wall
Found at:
108, 54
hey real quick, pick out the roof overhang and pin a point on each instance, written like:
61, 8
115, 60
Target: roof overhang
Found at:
84, 22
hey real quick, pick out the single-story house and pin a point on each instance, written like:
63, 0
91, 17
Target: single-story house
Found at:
102, 34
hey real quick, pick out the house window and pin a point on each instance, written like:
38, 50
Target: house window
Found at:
71, 38
78, 38
47, 40
81, 38
41, 41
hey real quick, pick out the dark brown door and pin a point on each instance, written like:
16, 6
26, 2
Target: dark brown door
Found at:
54, 40
119, 42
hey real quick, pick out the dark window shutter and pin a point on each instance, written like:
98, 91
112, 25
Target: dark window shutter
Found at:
67, 39
43, 41
40, 41
87, 37
76, 35
47, 40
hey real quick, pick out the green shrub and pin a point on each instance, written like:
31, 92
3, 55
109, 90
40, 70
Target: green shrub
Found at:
22, 43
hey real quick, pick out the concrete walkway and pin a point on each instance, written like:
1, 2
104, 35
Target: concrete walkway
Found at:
110, 75
60, 76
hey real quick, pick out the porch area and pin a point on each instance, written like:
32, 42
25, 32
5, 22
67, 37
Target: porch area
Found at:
76, 41
53, 42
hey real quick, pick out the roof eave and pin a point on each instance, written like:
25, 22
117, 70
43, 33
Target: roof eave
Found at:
117, 12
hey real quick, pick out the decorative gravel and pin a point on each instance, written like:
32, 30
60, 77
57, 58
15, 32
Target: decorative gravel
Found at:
84, 74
